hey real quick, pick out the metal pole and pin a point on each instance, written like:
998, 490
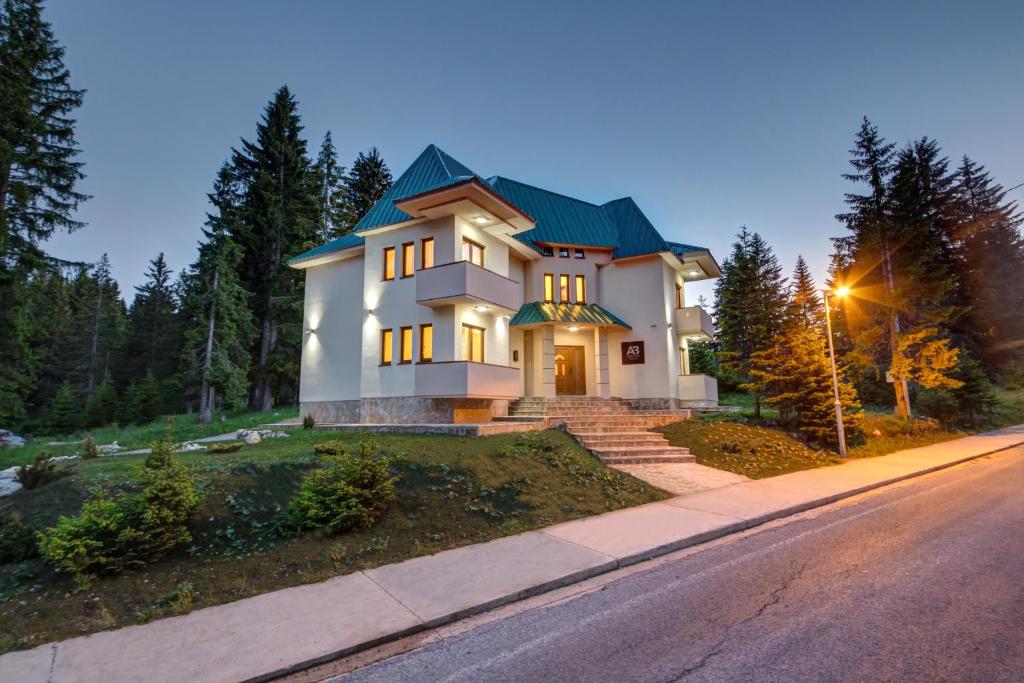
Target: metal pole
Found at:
835, 379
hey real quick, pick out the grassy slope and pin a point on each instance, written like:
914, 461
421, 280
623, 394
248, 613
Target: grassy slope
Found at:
454, 491
186, 427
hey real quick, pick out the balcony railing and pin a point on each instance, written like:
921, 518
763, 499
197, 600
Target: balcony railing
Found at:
693, 321
698, 391
467, 379
468, 283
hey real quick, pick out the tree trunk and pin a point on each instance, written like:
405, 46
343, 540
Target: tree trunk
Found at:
93, 361
205, 390
899, 383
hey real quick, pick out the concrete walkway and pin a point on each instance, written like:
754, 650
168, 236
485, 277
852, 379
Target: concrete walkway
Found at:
291, 629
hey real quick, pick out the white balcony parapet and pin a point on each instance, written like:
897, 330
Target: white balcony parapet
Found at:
466, 379
467, 283
698, 391
693, 322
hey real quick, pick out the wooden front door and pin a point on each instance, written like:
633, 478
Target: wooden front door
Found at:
570, 371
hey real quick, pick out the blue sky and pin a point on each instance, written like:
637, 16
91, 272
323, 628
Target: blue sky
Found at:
712, 115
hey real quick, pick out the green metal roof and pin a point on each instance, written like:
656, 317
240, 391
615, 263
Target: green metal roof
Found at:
537, 313
636, 234
680, 249
346, 241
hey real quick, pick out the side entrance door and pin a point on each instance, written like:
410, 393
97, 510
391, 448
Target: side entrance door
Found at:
570, 371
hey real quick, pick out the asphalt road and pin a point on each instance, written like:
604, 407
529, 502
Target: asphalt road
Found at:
922, 582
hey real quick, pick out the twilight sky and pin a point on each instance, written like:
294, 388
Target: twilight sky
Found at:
711, 115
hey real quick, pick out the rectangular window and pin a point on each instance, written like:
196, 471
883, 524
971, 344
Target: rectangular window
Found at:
473, 343
581, 289
386, 344
427, 252
679, 296
563, 252
408, 259
405, 345
579, 253
563, 288
549, 287
426, 343
472, 252
389, 263
549, 251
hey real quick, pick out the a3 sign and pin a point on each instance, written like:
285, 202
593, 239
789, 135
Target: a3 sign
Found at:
632, 353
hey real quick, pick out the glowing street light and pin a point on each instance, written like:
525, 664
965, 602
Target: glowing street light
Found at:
839, 292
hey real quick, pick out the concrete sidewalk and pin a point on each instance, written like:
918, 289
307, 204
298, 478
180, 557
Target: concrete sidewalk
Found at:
291, 629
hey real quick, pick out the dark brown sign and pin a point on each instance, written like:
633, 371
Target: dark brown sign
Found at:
632, 353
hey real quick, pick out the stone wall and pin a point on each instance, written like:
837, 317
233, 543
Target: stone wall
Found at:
405, 409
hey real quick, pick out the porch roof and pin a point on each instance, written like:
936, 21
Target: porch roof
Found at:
537, 313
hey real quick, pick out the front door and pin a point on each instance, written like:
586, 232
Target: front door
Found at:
570, 371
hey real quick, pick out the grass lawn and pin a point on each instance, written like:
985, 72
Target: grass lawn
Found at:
735, 444
186, 428
453, 491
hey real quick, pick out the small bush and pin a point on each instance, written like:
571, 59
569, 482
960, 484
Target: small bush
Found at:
41, 472
351, 490
226, 447
89, 450
308, 422
17, 541
110, 536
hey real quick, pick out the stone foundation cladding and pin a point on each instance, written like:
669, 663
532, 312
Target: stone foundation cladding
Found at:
403, 409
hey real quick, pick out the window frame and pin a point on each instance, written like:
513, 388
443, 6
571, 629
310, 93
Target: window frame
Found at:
384, 269
408, 249
387, 334
579, 253
549, 278
679, 296
423, 252
548, 251
563, 252
423, 327
564, 291
580, 289
469, 346
473, 243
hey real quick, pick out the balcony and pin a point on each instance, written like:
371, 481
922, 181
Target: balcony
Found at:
467, 379
698, 391
462, 282
693, 322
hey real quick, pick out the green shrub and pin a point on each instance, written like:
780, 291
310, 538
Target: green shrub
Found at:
89, 450
17, 540
308, 422
41, 472
226, 447
111, 535
351, 489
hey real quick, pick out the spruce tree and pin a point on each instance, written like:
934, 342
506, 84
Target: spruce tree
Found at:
98, 324
277, 220
38, 174
152, 339
63, 415
329, 180
102, 408
750, 305
220, 328
369, 180
805, 301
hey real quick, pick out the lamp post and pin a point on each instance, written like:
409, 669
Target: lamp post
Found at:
839, 292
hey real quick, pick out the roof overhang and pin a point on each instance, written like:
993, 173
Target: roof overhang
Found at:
697, 265
472, 200
329, 257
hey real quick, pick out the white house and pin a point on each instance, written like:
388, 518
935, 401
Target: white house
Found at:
457, 294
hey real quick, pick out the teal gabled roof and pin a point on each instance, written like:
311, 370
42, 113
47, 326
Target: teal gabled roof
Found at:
619, 225
537, 313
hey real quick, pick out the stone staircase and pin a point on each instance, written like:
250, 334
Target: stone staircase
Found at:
610, 428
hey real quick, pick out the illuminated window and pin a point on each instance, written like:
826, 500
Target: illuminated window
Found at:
427, 252
386, 340
389, 263
472, 252
405, 345
679, 296
563, 288
426, 343
408, 259
581, 289
549, 287
473, 343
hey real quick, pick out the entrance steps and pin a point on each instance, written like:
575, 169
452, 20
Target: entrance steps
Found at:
609, 428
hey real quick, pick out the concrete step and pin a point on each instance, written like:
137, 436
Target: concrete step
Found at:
614, 444
638, 451
518, 418
648, 460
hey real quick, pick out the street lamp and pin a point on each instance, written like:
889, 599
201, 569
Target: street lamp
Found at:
839, 292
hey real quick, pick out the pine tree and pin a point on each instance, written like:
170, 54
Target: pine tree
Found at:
369, 180
141, 404
102, 407
805, 300
329, 179
220, 329
987, 233
98, 324
38, 173
750, 304
277, 220
63, 415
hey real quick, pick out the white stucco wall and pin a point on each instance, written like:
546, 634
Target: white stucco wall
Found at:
331, 357
589, 266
